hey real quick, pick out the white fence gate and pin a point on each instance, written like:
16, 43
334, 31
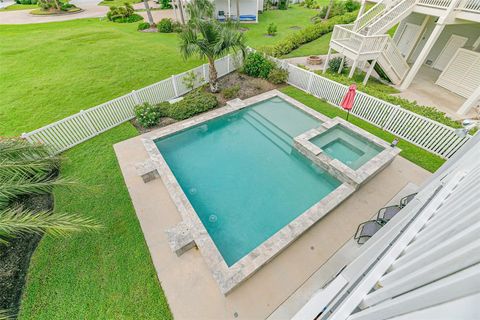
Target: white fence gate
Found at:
423, 132
414, 128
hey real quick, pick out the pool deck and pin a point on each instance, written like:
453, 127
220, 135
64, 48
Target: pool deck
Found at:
191, 290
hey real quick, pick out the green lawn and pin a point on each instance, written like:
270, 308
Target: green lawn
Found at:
410, 152
295, 16
15, 7
102, 275
52, 70
117, 3
316, 47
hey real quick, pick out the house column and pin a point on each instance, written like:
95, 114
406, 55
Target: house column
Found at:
471, 102
422, 56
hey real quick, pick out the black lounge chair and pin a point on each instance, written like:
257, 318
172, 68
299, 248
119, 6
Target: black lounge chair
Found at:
405, 200
366, 230
385, 214
221, 16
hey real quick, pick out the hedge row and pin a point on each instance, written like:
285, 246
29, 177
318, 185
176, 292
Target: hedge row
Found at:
308, 34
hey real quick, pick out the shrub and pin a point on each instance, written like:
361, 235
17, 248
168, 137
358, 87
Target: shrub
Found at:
278, 75
256, 65
195, 102
272, 29
165, 4
191, 80
334, 64
231, 92
165, 25
351, 5
338, 8
66, 6
311, 4
283, 5
125, 14
310, 33
148, 115
143, 26
177, 27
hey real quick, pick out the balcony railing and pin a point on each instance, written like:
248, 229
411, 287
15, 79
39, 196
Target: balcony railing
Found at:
344, 36
469, 6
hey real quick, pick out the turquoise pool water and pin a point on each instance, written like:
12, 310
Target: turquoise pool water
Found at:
342, 144
242, 175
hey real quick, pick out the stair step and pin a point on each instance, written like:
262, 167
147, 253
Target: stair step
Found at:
269, 130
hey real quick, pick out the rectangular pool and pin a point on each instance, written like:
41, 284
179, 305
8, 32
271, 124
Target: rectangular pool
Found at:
242, 175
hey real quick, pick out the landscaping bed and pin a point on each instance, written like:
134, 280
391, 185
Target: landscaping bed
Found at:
243, 87
15, 258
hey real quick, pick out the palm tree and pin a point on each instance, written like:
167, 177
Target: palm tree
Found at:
149, 13
211, 39
330, 5
27, 169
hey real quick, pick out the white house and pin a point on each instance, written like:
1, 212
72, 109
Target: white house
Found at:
436, 41
227, 9
423, 264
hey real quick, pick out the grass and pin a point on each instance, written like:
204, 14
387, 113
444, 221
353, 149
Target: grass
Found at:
16, 7
410, 152
102, 275
316, 47
52, 70
117, 3
42, 12
295, 16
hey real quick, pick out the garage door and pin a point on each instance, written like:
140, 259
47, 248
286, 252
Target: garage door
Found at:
462, 74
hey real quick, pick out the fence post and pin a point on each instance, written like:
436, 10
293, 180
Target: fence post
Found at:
175, 90
204, 67
390, 117
135, 97
89, 123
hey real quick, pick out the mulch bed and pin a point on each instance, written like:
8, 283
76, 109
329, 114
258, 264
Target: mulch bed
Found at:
249, 87
15, 258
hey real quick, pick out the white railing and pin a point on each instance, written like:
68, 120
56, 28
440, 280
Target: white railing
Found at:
68, 132
345, 37
394, 59
470, 6
368, 16
414, 128
393, 15
435, 3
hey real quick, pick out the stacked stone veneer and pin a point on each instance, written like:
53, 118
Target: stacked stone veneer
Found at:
191, 231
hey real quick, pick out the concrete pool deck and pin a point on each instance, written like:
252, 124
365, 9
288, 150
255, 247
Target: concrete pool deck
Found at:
191, 290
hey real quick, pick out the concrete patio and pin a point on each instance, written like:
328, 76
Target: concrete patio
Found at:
424, 90
192, 292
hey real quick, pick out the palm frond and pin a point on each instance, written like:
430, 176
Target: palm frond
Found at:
12, 188
20, 150
6, 315
17, 221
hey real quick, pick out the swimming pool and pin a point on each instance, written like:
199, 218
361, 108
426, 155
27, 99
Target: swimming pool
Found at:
242, 182
242, 175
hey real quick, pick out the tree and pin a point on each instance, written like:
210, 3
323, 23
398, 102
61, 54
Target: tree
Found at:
27, 169
209, 38
149, 13
330, 5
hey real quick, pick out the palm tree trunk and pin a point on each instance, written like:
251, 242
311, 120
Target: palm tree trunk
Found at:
238, 10
180, 8
330, 5
149, 13
213, 76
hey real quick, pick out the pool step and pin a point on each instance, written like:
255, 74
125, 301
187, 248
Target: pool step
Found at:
270, 130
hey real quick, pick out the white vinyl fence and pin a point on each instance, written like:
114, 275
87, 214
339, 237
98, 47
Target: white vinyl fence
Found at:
421, 131
68, 132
